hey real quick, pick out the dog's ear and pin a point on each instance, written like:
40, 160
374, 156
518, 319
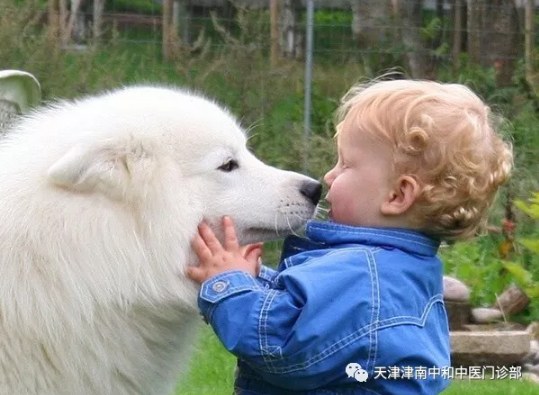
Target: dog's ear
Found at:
105, 167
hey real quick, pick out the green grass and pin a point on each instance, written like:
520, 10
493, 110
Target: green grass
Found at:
212, 369
492, 387
212, 372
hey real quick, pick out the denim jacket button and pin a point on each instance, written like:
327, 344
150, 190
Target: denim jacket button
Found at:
219, 286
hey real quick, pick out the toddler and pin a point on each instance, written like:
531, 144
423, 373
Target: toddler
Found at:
356, 307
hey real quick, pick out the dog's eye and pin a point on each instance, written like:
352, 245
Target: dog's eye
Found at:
229, 166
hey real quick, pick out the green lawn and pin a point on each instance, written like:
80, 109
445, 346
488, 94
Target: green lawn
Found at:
492, 387
212, 371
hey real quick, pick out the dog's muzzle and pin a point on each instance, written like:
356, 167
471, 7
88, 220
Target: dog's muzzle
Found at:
312, 190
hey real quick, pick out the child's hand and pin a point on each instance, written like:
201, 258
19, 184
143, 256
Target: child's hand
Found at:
216, 258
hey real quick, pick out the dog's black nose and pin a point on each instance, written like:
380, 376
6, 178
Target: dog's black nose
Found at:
312, 190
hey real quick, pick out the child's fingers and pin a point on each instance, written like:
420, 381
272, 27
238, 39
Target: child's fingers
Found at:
196, 274
209, 238
231, 239
201, 249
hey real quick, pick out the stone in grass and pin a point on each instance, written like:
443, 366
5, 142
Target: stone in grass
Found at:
485, 315
528, 367
531, 377
512, 301
532, 357
533, 330
455, 290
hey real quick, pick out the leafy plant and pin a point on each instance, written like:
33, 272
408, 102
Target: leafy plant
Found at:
479, 266
521, 271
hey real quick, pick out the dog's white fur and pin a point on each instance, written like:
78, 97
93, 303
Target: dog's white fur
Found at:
99, 199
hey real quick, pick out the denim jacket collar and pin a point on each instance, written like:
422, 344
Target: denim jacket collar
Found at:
331, 233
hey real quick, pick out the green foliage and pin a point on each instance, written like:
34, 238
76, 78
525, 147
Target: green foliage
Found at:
478, 265
332, 18
134, 6
531, 209
525, 271
432, 29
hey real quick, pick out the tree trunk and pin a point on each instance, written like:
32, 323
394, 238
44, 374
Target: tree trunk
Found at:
64, 15
176, 10
291, 36
458, 13
167, 29
500, 40
228, 14
75, 28
529, 49
274, 31
181, 21
474, 30
97, 27
370, 20
55, 27
440, 15
417, 56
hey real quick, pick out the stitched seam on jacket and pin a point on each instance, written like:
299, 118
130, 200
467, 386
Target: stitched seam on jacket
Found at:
409, 236
381, 233
375, 314
263, 327
337, 346
410, 319
212, 298
334, 347
267, 274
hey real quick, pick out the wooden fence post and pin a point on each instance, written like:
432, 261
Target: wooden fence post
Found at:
457, 34
529, 39
54, 20
97, 27
274, 31
168, 6
474, 24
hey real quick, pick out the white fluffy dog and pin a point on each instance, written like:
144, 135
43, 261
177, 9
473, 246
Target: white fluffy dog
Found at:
99, 201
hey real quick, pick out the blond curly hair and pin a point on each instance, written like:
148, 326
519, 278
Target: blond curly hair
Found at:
446, 137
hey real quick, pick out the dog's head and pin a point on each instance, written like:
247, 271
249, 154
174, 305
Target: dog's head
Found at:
169, 153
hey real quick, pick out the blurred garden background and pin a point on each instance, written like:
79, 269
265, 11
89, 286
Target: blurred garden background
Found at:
282, 67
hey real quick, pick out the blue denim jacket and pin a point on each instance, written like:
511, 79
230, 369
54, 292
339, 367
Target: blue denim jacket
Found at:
342, 295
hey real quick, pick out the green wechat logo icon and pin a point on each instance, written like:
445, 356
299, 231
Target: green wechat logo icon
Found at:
354, 370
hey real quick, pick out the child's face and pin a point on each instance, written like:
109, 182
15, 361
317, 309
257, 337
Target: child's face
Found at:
360, 181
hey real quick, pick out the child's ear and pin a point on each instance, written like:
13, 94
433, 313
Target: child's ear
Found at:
402, 197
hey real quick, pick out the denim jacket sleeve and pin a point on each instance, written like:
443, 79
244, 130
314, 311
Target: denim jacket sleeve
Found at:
266, 276
291, 343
